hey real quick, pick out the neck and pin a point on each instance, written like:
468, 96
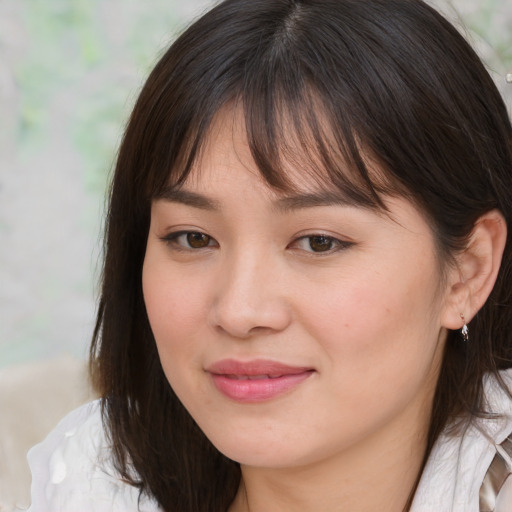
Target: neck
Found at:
378, 475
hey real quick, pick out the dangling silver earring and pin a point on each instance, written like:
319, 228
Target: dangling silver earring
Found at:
464, 330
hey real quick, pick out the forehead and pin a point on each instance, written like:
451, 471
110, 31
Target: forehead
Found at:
294, 163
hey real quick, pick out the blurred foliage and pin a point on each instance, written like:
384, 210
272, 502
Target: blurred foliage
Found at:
86, 56
492, 21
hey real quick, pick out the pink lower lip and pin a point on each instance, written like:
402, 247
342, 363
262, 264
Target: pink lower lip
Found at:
236, 387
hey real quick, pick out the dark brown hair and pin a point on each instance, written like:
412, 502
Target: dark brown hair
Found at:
329, 85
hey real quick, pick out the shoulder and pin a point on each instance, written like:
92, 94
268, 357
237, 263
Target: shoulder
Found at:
72, 469
458, 465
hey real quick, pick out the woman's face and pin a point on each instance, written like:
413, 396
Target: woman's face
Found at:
292, 328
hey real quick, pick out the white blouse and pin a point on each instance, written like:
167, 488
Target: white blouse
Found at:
72, 470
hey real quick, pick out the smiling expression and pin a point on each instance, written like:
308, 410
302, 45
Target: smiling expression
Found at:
293, 327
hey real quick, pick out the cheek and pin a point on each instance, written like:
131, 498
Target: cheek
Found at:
175, 307
381, 342
378, 329
174, 300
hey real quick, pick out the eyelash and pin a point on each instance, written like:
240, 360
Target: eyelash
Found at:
173, 240
335, 244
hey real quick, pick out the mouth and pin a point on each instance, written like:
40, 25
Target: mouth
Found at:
253, 377
256, 381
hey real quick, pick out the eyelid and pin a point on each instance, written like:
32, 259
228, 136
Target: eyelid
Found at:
171, 239
339, 244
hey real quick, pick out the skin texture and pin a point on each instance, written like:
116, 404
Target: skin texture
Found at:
367, 316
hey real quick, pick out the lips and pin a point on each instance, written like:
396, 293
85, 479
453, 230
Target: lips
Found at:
256, 381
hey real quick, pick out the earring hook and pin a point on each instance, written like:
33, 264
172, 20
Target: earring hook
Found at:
464, 330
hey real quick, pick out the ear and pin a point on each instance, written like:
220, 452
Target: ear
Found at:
471, 280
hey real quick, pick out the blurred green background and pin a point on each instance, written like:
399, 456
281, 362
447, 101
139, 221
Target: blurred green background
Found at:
69, 73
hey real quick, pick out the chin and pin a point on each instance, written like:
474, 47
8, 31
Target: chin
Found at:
266, 451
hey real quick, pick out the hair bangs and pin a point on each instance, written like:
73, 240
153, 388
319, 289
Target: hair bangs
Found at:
294, 140
294, 135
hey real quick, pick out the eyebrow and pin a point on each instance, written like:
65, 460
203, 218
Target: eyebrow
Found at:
283, 204
311, 200
188, 198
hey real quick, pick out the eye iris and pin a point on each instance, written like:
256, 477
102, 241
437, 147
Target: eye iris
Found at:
198, 240
320, 243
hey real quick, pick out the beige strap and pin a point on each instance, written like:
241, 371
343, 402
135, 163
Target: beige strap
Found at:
496, 490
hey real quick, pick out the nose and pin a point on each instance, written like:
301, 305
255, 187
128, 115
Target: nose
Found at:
249, 298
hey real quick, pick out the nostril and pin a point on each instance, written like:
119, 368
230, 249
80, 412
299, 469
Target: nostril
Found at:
245, 320
243, 328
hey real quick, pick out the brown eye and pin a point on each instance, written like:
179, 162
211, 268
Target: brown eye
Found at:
320, 243
189, 241
197, 240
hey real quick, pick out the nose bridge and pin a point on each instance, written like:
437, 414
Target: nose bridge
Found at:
248, 298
